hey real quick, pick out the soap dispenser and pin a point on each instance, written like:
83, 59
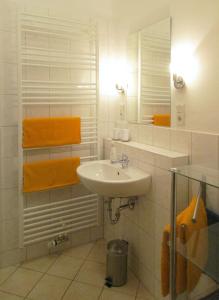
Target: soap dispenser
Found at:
113, 154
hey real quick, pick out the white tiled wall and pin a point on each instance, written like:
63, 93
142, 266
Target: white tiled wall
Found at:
9, 208
201, 147
143, 226
8, 136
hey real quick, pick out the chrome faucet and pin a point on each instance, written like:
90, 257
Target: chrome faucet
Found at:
124, 161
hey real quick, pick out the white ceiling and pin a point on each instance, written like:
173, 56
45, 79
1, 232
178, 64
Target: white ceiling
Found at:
139, 13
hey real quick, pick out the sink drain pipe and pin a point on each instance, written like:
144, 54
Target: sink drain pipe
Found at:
130, 204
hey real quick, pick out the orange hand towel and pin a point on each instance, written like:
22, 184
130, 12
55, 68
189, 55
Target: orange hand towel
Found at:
161, 120
192, 243
49, 174
46, 132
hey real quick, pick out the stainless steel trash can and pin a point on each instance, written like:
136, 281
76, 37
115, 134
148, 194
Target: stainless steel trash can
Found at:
116, 267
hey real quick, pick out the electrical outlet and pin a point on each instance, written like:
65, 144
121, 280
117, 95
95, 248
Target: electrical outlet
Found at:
180, 118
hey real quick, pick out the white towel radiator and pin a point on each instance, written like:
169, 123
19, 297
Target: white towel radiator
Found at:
58, 76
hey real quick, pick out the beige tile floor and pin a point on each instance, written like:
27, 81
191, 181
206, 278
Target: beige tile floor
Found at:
76, 274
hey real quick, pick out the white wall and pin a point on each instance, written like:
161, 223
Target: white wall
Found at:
143, 226
197, 22
138, 14
9, 230
77, 8
192, 20
128, 16
9, 211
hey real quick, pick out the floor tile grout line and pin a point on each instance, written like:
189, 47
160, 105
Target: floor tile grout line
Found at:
12, 294
78, 256
102, 290
90, 284
84, 260
55, 260
43, 273
20, 267
101, 293
58, 255
34, 286
58, 276
9, 276
46, 273
73, 280
95, 260
137, 290
29, 269
67, 288
32, 269
118, 292
89, 252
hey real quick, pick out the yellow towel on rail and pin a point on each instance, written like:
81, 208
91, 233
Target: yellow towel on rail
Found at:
192, 242
47, 132
161, 120
49, 174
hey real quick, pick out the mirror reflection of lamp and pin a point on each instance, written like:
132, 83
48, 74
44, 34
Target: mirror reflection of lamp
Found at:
120, 89
178, 81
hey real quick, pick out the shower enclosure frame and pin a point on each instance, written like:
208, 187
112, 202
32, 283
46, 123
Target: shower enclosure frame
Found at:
205, 177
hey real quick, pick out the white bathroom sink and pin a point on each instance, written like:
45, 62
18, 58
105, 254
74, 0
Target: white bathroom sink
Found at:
111, 180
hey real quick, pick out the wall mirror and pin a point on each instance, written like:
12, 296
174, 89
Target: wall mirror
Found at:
148, 93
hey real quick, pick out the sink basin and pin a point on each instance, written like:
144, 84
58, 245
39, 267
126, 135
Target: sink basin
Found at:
111, 180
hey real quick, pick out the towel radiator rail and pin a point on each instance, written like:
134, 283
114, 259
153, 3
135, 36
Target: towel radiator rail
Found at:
41, 51
147, 119
153, 97
55, 19
57, 103
42, 221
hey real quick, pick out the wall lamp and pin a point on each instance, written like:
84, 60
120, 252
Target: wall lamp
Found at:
178, 80
184, 65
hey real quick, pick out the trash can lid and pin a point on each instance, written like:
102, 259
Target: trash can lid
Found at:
118, 246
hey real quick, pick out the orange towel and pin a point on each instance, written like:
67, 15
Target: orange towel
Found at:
161, 120
46, 132
192, 242
49, 174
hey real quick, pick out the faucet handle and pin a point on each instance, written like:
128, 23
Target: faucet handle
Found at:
124, 160
125, 157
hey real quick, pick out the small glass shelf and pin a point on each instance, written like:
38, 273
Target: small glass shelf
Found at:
198, 173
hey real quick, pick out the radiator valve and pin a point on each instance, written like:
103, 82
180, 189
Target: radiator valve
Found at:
61, 239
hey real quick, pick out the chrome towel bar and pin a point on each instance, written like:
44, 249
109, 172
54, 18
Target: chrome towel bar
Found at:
201, 195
